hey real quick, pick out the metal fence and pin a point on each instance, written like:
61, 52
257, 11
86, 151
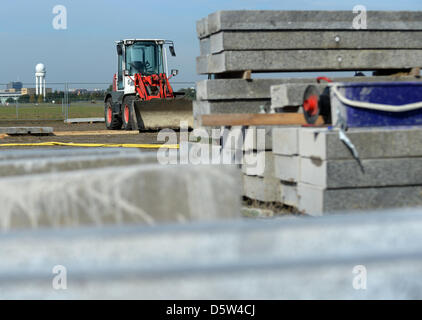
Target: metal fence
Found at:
63, 100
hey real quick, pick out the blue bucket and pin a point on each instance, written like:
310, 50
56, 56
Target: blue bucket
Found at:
393, 94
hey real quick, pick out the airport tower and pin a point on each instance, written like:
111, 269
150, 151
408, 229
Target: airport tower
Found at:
40, 79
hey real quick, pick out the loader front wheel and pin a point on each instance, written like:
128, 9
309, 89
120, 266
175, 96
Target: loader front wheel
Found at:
113, 121
126, 113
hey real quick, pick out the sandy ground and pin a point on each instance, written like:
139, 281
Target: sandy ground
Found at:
101, 135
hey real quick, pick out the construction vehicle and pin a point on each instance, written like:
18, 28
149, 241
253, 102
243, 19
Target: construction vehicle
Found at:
142, 97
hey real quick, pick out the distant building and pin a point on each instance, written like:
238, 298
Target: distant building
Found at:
32, 91
14, 85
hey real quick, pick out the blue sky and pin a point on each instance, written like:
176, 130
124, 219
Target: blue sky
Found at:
85, 52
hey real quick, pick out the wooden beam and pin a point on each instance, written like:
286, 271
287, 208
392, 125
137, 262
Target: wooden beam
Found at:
258, 119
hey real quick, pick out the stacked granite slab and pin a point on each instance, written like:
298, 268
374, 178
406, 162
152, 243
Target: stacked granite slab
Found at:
263, 95
236, 44
269, 41
319, 174
232, 42
73, 187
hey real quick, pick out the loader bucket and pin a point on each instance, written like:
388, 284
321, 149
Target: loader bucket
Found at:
162, 113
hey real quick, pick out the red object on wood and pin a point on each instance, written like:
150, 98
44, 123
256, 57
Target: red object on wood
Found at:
310, 105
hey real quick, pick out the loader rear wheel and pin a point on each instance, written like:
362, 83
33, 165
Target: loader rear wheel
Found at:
126, 113
113, 121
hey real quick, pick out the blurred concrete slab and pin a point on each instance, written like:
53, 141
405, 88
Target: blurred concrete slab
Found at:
84, 120
248, 20
317, 200
26, 130
34, 165
285, 258
63, 153
143, 193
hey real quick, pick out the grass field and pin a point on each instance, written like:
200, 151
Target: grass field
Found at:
49, 111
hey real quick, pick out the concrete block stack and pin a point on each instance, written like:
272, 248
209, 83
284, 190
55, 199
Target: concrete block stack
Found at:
233, 43
390, 174
286, 163
251, 148
269, 41
319, 175
236, 44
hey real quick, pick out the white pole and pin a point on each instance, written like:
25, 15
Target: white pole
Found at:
165, 60
36, 85
44, 87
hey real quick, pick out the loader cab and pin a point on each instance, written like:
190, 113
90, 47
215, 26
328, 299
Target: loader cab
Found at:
144, 57
140, 56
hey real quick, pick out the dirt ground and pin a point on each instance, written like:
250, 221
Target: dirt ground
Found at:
59, 127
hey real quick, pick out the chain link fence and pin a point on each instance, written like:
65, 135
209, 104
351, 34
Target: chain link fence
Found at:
62, 100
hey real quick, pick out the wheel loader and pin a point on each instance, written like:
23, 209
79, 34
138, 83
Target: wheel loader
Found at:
142, 97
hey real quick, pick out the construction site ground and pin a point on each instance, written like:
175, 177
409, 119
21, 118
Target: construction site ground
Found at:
97, 133
76, 133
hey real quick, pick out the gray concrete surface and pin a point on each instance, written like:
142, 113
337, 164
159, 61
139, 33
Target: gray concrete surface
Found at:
260, 163
61, 164
287, 258
333, 174
262, 188
305, 20
285, 141
371, 143
20, 154
148, 194
84, 120
214, 107
290, 39
239, 89
26, 130
237, 106
234, 89
287, 168
291, 94
289, 195
316, 200
308, 60
251, 138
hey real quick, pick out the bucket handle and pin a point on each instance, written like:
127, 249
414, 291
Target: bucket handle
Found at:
376, 106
